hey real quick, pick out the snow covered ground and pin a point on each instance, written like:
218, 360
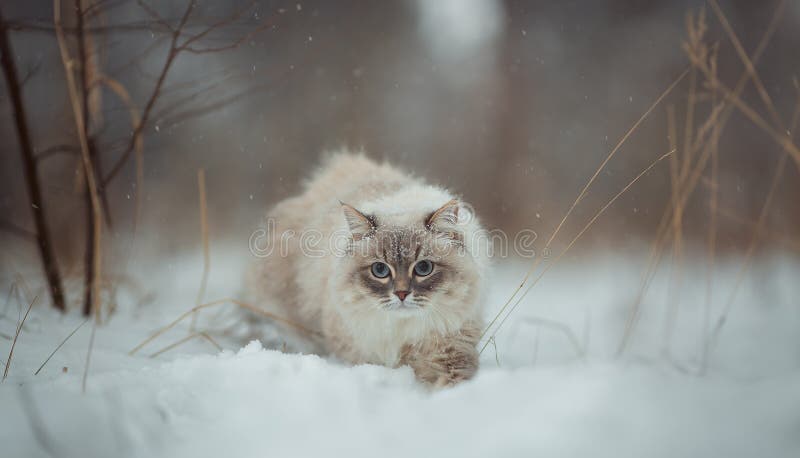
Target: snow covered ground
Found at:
550, 385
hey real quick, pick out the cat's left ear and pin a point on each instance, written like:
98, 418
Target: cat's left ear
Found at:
360, 224
446, 218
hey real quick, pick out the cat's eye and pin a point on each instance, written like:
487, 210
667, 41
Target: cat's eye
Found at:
380, 270
423, 268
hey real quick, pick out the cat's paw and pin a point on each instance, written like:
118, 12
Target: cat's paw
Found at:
450, 367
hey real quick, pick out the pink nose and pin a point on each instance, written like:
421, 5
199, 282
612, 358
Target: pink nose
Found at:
402, 294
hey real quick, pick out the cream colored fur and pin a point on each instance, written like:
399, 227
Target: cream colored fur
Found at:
437, 338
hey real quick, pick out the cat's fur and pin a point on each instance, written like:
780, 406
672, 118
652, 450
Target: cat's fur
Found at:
375, 212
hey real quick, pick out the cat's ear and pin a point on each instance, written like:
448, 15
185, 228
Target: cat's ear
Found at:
359, 223
445, 218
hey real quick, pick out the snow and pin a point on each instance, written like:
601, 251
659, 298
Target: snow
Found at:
537, 394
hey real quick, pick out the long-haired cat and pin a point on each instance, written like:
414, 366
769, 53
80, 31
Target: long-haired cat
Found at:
387, 269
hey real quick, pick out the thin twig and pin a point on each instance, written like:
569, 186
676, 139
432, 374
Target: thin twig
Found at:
137, 132
119, 90
57, 149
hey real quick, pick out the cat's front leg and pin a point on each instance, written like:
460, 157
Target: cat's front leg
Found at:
445, 360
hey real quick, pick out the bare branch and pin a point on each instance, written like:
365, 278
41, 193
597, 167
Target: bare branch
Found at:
236, 15
230, 46
174, 50
137, 26
154, 15
57, 149
171, 55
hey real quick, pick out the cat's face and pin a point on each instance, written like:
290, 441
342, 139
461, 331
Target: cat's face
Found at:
412, 265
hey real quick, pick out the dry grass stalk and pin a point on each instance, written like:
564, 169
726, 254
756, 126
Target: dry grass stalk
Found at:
785, 140
686, 187
244, 305
182, 341
653, 259
572, 242
755, 236
677, 174
751, 246
122, 93
589, 183
16, 336
201, 292
764, 232
88, 357
703, 57
748, 63
781, 139
712, 243
60, 345
88, 167
90, 110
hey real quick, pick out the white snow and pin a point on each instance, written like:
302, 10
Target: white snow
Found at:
554, 392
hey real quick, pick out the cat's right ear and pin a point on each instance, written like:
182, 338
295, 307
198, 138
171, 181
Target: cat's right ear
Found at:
360, 224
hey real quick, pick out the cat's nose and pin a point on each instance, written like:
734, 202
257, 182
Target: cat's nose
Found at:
402, 294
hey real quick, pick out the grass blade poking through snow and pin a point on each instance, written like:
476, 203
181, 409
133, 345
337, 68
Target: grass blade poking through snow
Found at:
611, 154
16, 336
201, 293
244, 305
60, 345
202, 335
572, 242
88, 357
755, 236
704, 58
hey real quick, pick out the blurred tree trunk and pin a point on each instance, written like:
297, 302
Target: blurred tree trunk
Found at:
43, 239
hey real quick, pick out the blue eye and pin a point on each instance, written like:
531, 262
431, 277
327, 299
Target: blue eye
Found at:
380, 270
423, 268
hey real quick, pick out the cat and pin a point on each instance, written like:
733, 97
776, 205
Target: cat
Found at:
382, 267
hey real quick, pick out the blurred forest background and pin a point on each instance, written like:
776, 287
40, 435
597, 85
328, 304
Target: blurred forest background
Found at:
513, 104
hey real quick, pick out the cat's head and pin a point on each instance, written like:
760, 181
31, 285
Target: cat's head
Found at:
411, 262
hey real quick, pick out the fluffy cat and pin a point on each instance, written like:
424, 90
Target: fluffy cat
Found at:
389, 270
